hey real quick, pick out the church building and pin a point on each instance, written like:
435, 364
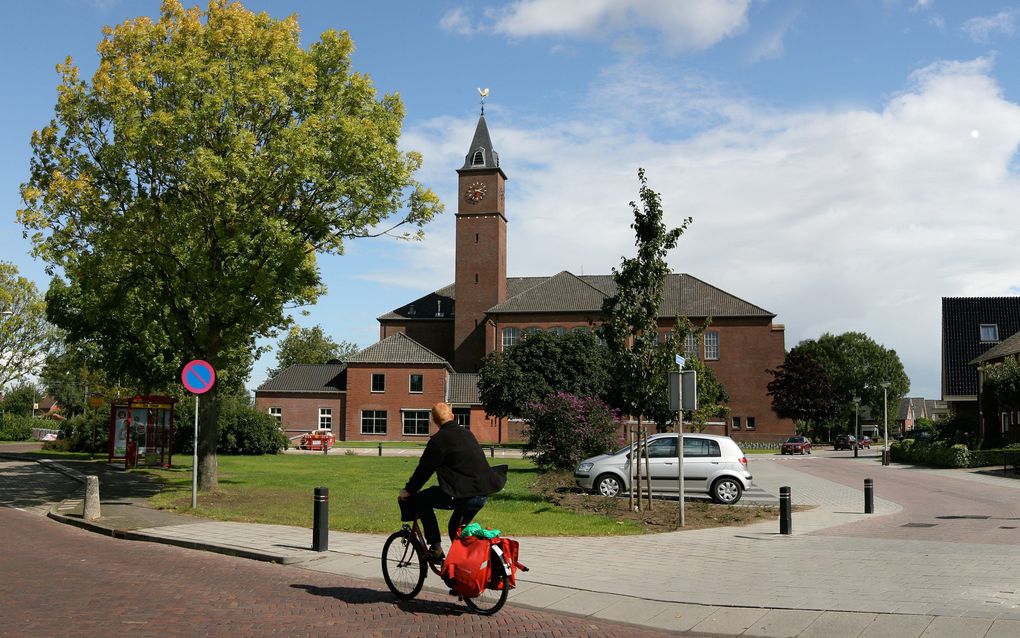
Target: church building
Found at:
431, 348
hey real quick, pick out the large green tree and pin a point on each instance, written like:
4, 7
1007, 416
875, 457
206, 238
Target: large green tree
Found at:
639, 365
309, 346
858, 366
25, 335
801, 389
185, 191
540, 365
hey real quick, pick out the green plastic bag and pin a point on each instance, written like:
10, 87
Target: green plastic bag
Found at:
474, 529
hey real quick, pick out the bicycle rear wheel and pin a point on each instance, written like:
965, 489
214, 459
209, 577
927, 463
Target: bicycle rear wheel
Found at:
402, 565
490, 600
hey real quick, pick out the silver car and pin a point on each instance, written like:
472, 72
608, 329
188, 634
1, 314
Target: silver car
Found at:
713, 465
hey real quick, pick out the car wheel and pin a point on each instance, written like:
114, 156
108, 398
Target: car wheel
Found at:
727, 490
608, 485
809, 451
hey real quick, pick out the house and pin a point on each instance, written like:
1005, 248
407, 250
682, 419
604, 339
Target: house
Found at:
431, 348
971, 326
1005, 423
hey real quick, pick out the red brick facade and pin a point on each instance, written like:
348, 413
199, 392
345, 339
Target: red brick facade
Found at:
300, 411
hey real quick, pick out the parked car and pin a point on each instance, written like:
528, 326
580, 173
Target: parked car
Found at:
844, 442
865, 442
713, 465
796, 445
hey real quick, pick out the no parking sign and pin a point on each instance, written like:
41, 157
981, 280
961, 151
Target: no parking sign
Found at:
198, 377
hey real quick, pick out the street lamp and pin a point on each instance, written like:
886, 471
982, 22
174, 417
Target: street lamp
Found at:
857, 428
885, 418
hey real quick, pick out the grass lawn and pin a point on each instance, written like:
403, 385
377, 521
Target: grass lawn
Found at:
363, 491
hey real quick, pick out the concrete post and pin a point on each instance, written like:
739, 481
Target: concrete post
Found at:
91, 498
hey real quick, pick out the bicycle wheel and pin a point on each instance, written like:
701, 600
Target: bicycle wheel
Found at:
491, 600
402, 565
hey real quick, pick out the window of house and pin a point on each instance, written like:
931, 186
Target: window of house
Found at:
736, 423
277, 413
989, 332
416, 383
751, 423
711, 346
462, 416
325, 418
691, 345
580, 329
511, 337
378, 382
416, 422
529, 331
558, 330
373, 421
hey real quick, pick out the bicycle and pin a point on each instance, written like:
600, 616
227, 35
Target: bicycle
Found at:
405, 567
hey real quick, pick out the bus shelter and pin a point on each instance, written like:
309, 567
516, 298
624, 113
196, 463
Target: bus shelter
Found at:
142, 431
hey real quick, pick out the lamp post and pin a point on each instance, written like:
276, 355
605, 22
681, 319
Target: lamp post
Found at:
857, 427
885, 418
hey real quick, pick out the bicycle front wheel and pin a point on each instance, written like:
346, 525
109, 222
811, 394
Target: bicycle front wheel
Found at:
490, 600
402, 565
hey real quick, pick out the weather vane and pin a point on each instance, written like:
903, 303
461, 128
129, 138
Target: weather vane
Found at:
484, 93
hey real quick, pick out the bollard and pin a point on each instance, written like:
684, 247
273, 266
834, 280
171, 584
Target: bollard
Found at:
492, 452
320, 531
380, 449
885, 457
91, 498
869, 496
856, 447
785, 518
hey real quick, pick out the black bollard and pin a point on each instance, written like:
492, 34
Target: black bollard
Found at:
869, 496
856, 447
492, 452
380, 449
885, 457
320, 531
785, 518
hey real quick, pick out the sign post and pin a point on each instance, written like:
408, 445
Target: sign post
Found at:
198, 378
683, 395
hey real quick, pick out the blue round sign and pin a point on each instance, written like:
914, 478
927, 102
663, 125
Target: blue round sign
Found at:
198, 376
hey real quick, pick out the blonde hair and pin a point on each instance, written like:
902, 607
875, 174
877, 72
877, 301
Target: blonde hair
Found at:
441, 413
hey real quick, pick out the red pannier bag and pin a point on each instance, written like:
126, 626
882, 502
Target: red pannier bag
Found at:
505, 550
466, 568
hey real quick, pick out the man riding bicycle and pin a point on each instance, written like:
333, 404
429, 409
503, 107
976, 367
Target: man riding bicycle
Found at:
465, 478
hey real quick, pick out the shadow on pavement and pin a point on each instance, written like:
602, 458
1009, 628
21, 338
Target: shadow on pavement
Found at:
362, 596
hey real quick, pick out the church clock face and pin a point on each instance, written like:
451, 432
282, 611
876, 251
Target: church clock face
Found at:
475, 192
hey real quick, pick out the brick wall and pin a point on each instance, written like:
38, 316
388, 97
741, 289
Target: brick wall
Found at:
396, 398
301, 410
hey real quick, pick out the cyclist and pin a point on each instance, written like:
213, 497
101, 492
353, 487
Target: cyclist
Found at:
465, 478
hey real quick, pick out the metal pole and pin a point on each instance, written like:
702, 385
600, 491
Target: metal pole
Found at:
785, 518
857, 427
320, 520
380, 449
630, 468
194, 462
885, 412
869, 496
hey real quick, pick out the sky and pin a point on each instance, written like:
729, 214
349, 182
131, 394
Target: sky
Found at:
847, 164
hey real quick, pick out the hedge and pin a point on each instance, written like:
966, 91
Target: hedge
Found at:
942, 454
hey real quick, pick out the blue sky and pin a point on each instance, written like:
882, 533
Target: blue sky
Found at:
847, 164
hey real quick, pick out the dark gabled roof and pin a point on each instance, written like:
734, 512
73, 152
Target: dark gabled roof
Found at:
481, 142
327, 377
961, 337
566, 292
1004, 348
464, 389
906, 402
398, 348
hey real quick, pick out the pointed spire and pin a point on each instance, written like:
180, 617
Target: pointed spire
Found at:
481, 155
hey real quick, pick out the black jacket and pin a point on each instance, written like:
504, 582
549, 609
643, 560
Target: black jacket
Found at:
458, 461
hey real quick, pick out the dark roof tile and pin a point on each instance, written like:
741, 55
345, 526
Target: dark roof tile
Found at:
328, 377
398, 348
961, 342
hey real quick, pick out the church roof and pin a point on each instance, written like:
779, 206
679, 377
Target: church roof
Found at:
487, 158
566, 292
327, 377
398, 348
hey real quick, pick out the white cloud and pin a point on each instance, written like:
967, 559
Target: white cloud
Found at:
688, 25
457, 21
981, 29
836, 220
771, 45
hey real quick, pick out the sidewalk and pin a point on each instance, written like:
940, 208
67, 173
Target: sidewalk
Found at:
744, 581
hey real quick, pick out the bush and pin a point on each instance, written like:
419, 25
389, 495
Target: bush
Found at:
88, 432
937, 453
15, 427
564, 429
245, 430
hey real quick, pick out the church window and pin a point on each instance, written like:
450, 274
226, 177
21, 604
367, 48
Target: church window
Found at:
479, 158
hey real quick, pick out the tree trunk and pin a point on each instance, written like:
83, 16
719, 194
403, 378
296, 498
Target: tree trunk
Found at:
208, 435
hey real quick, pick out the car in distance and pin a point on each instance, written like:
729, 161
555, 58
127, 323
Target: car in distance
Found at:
796, 445
714, 465
864, 441
844, 442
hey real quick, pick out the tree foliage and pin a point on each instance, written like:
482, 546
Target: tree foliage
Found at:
185, 191
309, 346
564, 429
20, 399
541, 364
630, 316
801, 389
1000, 392
25, 335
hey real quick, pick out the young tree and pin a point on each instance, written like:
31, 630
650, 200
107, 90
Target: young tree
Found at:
25, 335
185, 191
801, 389
309, 346
540, 365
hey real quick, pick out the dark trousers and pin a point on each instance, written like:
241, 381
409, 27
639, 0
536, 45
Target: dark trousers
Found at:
430, 499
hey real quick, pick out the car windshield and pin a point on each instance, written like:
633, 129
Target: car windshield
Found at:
793, 439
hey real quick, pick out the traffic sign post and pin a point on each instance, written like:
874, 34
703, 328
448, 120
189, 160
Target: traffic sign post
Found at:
198, 378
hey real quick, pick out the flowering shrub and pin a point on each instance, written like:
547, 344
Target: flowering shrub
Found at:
564, 429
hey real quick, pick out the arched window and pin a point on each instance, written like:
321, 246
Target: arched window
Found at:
479, 158
530, 331
511, 337
558, 330
580, 329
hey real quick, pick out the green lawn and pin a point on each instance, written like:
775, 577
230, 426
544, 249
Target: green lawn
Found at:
363, 490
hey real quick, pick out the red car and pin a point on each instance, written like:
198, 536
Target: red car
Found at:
864, 442
796, 445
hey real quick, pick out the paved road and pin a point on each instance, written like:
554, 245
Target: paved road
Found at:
59, 580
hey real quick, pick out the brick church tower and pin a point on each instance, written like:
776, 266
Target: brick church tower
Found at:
481, 248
